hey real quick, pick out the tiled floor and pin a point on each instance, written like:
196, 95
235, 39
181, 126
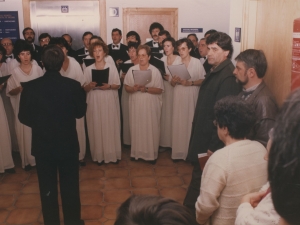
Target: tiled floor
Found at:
102, 188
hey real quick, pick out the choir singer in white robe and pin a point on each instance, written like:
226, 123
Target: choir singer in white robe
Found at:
144, 109
26, 71
185, 99
103, 109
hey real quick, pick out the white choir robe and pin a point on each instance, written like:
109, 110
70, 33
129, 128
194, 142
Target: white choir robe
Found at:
23, 132
103, 118
125, 113
144, 116
167, 108
184, 104
74, 72
6, 161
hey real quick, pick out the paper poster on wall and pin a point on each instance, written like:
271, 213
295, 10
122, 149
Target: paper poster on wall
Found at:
9, 25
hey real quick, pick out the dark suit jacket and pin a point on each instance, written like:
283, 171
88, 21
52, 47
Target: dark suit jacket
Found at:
266, 110
37, 55
72, 53
81, 54
195, 53
50, 106
217, 84
207, 66
120, 53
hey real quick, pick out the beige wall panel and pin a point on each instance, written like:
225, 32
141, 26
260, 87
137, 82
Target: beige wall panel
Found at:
274, 30
140, 19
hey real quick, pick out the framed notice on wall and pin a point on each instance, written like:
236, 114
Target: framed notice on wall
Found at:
9, 25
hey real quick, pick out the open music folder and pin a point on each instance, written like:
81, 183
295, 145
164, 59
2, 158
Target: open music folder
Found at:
100, 76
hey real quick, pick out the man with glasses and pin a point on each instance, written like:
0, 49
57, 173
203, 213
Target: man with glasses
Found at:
8, 45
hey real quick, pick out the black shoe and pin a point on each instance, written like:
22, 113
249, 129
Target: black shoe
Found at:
153, 162
28, 168
132, 159
82, 163
12, 170
117, 162
100, 163
177, 160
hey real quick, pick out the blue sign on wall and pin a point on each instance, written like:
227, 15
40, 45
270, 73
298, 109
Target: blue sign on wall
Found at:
191, 30
9, 25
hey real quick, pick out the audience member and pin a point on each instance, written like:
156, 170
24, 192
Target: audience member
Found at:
233, 171
218, 83
50, 109
250, 69
257, 207
150, 210
284, 161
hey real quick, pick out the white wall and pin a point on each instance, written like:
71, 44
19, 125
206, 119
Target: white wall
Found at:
236, 20
14, 5
213, 14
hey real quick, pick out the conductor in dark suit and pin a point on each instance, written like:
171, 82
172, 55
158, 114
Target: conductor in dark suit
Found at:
50, 106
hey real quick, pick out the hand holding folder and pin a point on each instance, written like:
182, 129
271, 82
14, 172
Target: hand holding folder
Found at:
100, 76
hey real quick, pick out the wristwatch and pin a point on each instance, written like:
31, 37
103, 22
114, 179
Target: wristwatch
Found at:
146, 89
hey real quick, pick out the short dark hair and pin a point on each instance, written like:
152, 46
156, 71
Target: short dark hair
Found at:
20, 46
188, 42
44, 35
69, 36
255, 59
149, 210
222, 40
53, 58
164, 32
3, 53
133, 45
98, 43
116, 30
96, 37
170, 39
284, 160
146, 47
155, 25
86, 33
235, 114
26, 29
60, 41
193, 35
211, 31
133, 33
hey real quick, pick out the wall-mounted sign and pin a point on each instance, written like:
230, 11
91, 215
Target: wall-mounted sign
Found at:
191, 30
237, 34
114, 11
64, 8
9, 25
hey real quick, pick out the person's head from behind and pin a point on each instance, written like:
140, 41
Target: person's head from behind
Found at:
251, 66
219, 48
153, 210
52, 58
133, 37
284, 161
209, 32
154, 30
234, 118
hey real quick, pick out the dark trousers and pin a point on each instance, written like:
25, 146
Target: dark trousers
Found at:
68, 171
193, 189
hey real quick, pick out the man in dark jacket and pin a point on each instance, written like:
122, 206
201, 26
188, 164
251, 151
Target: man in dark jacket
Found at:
218, 83
250, 69
50, 106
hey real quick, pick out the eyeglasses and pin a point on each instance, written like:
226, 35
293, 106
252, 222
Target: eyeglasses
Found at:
215, 123
6, 44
